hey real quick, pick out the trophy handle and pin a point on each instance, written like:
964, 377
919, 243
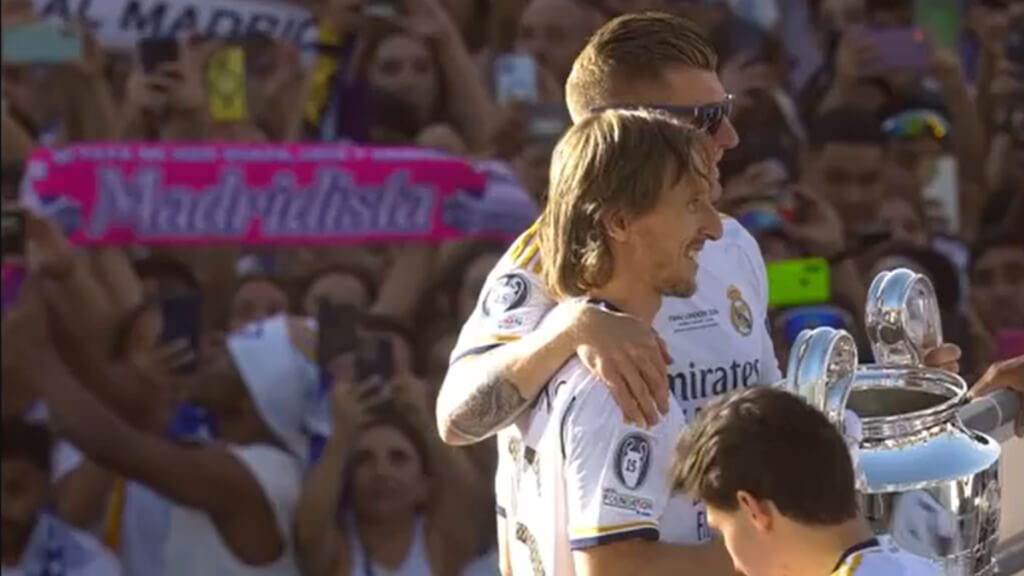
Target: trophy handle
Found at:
902, 317
821, 369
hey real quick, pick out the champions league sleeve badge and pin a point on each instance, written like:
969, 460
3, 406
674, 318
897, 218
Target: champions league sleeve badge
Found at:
507, 293
633, 460
740, 315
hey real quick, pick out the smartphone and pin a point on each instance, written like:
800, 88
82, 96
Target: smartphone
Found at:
225, 85
153, 52
337, 331
942, 196
940, 19
798, 282
182, 318
1009, 344
899, 48
547, 122
40, 43
515, 78
383, 9
376, 359
13, 240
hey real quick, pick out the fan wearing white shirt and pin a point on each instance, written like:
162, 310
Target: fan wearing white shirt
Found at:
34, 540
583, 491
747, 459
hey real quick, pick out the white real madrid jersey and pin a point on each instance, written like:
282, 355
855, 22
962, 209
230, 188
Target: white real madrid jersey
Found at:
718, 338
572, 475
880, 556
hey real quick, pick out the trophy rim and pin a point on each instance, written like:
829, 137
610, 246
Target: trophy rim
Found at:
921, 379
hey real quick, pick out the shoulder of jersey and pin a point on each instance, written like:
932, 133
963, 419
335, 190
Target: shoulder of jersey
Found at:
733, 233
523, 254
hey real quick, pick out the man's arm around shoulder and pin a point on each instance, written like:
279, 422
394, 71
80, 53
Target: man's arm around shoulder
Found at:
483, 393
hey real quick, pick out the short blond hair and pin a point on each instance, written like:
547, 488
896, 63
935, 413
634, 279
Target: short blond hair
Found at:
615, 163
630, 50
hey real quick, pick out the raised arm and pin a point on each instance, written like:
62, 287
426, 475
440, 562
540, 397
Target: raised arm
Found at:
320, 540
453, 534
211, 479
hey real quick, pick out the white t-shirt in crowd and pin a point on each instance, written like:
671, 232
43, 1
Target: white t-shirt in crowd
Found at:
194, 546
55, 547
883, 556
718, 338
144, 527
572, 474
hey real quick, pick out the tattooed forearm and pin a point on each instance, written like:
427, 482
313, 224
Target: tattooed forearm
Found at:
489, 408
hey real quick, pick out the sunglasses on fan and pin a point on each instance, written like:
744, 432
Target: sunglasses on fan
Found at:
706, 117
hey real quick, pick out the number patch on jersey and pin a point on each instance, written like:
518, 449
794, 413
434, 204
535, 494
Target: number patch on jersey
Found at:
633, 460
507, 293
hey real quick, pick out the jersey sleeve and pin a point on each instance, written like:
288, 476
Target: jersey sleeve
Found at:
770, 372
616, 474
511, 304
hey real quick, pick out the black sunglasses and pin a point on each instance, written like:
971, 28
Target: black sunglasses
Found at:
706, 117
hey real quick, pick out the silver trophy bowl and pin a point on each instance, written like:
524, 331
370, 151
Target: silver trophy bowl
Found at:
925, 479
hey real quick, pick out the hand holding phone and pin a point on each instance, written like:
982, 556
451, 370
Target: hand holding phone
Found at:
375, 360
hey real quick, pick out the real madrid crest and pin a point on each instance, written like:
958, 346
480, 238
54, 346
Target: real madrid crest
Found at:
740, 315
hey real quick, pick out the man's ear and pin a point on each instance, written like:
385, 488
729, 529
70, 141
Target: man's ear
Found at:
617, 226
761, 513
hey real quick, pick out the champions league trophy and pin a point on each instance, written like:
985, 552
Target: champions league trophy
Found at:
925, 479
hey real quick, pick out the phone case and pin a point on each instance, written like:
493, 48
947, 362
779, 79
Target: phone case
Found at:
798, 282
182, 317
40, 43
941, 19
899, 48
225, 85
515, 78
154, 52
336, 331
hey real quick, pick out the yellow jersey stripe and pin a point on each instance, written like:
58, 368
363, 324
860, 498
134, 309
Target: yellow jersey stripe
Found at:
112, 520
849, 568
599, 530
521, 243
529, 254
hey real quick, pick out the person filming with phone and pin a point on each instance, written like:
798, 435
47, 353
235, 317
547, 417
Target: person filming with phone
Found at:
385, 496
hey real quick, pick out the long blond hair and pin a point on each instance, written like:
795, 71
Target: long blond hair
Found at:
616, 163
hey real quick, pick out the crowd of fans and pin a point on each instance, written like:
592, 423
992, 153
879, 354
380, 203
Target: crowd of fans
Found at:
108, 466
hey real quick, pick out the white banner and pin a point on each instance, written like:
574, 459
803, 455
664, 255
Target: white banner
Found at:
121, 23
